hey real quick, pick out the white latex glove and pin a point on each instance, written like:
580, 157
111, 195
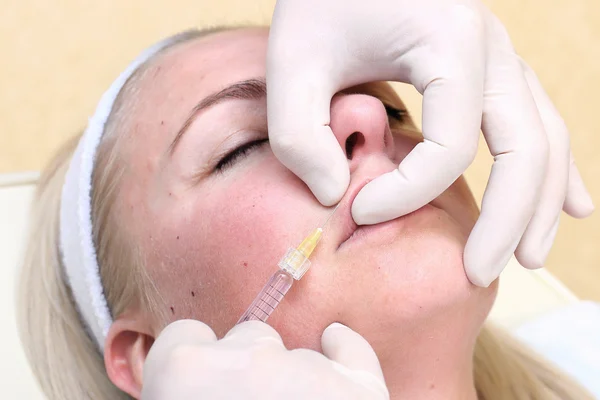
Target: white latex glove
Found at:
459, 56
250, 362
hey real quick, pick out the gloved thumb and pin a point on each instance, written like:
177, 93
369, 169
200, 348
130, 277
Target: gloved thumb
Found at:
251, 332
298, 113
346, 347
182, 332
187, 331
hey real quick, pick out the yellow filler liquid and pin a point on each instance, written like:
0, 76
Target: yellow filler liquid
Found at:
292, 267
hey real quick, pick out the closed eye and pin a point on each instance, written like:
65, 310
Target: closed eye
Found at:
239, 153
394, 113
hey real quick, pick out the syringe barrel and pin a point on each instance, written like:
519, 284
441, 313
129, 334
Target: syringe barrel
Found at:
269, 297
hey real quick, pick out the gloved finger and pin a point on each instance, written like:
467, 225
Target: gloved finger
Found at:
578, 203
181, 332
537, 240
253, 332
302, 140
516, 138
452, 108
298, 119
187, 331
346, 347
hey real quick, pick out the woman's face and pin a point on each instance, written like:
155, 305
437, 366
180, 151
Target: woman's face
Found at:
214, 210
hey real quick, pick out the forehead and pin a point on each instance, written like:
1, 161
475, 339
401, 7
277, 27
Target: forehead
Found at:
220, 55
167, 90
182, 76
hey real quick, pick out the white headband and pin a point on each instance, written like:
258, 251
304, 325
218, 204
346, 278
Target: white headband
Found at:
76, 241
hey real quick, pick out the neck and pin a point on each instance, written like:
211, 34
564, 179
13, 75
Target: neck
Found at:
429, 364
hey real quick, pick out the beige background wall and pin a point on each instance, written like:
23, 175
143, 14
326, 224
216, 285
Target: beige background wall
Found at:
57, 57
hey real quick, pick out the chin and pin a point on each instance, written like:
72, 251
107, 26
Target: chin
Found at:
417, 276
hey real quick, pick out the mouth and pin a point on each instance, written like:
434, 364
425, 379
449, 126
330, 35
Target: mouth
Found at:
349, 231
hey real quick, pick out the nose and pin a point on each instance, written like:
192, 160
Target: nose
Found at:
360, 124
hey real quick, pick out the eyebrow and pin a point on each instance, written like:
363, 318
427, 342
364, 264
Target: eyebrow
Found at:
250, 89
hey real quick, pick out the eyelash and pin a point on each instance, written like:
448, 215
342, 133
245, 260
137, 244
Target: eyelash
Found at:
231, 158
395, 113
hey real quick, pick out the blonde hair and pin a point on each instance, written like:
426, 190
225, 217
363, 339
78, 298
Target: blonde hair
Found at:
65, 360
67, 363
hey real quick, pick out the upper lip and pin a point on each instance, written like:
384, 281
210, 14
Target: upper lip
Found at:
343, 222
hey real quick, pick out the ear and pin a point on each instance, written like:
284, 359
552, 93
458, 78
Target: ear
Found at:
125, 349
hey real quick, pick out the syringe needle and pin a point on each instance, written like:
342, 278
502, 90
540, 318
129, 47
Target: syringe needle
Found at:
329, 217
292, 266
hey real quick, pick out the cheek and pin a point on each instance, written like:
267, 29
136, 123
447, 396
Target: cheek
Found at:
253, 217
417, 279
229, 239
420, 273
461, 205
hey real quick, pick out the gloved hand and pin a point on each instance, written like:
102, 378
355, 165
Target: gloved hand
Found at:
250, 362
460, 57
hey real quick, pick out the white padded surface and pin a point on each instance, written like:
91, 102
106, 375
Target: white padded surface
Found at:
523, 294
17, 380
569, 337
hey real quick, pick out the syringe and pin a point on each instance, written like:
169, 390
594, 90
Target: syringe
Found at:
292, 266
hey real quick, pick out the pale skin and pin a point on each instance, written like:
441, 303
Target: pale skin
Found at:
211, 238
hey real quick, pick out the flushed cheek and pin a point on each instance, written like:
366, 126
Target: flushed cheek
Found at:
460, 204
224, 240
248, 227
248, 217
263, 209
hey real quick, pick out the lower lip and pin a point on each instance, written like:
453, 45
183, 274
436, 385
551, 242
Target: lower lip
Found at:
364, 231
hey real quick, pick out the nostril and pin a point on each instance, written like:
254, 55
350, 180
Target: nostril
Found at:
355, 139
